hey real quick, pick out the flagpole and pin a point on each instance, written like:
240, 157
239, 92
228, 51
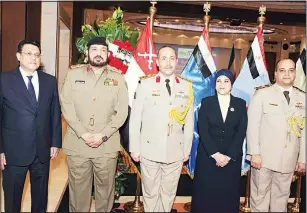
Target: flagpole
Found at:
207, 8
137, 205
152, 13
245, 206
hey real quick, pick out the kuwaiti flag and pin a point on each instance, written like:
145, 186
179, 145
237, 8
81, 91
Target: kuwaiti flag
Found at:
253, 74
200, 69
143, 61
300, 80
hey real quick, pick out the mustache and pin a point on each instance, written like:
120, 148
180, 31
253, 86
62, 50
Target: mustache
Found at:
168, 67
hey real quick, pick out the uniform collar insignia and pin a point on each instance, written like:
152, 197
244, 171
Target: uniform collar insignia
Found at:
177, 80
158, 78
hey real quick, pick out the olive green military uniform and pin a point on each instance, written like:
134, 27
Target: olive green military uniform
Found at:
95, 104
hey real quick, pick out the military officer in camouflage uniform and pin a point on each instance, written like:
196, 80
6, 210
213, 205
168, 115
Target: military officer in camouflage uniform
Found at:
94, 101
161, 131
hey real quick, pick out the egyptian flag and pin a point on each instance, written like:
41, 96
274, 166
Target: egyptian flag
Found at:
300, 80
201, 70
142, 63
253, 74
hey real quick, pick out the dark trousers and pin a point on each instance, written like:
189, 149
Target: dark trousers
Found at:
13, 184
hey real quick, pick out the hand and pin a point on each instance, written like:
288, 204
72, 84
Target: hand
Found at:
95, 141
256, 161
221, 160
2, 161
186, 158
54, 152
300, 167
87, 136
136, 157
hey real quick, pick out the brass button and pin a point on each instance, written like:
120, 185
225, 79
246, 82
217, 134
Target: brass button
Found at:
286, 146
94, 98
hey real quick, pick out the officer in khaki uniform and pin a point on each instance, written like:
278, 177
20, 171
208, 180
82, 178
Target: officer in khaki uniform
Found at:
276, 140
94, 102
161, 131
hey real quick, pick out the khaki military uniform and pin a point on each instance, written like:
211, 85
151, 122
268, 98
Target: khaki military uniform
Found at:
161, 140
95, 105
280, 143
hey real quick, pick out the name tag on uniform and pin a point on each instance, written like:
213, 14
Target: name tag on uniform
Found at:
273, 104
181, 95
79, 82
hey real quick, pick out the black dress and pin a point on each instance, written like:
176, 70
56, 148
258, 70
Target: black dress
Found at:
217, 189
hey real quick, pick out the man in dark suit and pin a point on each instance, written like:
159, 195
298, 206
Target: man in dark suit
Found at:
31, 131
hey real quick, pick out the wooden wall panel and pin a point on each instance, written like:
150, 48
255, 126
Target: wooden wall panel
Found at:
13, 31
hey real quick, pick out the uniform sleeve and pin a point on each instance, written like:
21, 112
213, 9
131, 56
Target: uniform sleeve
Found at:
121, 110
302, 139
68, 108
135, 122
236, 146
254, 113
189, 130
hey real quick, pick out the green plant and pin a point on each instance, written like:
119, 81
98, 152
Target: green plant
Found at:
120, 177
113, 28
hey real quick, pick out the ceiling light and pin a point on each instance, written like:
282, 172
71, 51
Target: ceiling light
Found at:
176, 20
285, 39
281, 23
220, 22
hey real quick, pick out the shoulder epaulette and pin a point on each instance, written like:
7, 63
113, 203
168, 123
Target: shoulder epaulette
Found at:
183, 78
146, 76
264, 86
77, 66
113, 69
299, 89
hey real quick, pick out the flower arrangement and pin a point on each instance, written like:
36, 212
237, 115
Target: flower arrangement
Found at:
120, 38
121, 42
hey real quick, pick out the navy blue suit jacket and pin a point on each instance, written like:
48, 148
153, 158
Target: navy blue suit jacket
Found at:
219, 136
28, 131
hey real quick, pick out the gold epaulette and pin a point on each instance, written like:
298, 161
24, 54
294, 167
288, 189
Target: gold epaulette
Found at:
77, 66
299, 89
264, 86
146, 76
183, 78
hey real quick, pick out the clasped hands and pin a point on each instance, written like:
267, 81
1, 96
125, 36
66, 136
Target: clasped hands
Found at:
221, 160
93, 140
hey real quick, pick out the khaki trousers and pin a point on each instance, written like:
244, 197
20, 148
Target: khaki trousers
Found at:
80, 175
270, 190
159, 184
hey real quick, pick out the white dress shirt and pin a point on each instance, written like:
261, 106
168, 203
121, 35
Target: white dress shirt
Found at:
35, 81
224, 101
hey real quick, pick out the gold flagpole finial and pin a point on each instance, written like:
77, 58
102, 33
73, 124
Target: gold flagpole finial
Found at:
152, 13
261, 18
207, 8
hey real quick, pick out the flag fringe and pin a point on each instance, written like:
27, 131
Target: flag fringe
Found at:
186, 170
128, 161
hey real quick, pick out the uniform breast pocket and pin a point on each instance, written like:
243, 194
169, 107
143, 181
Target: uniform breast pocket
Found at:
273, 109
79, 87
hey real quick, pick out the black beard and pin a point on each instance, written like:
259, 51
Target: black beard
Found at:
95, 64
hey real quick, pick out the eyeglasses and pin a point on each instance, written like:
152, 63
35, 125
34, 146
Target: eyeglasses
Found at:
36, 55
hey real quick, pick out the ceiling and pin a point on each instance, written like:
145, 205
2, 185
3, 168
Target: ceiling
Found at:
276, 6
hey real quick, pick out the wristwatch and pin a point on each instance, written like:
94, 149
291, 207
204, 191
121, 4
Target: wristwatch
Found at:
104, 138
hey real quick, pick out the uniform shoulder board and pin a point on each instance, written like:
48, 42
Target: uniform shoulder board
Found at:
145, 77
77, 66
264, 86
113, 69
183, 78
299, 89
